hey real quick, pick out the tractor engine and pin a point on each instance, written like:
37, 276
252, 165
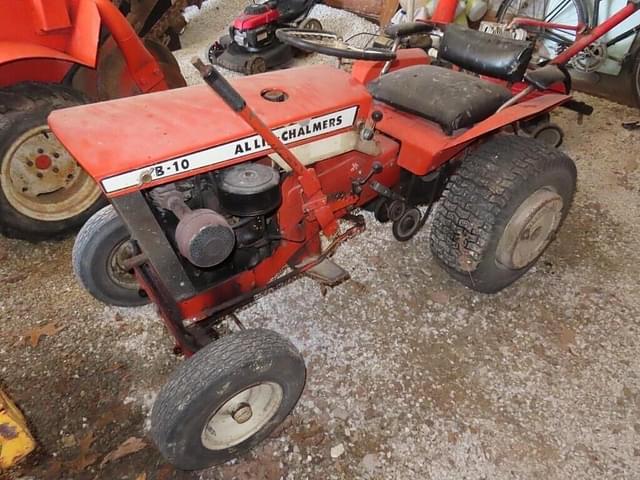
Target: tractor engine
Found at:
223, 222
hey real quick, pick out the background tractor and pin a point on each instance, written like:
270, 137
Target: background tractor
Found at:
60, 53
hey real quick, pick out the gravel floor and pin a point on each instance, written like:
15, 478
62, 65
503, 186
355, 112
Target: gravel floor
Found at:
410, 375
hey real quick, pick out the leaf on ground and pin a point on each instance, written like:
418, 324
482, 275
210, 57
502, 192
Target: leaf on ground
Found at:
114, 412
631, 165
34, 334
142, 476
440, 297
567, 338
18, 277
165, 472
86, 441
115, 367
85, 458
129, 446
54, 470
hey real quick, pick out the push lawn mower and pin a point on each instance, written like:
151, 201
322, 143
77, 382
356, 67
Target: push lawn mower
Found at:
252, 46
218, 193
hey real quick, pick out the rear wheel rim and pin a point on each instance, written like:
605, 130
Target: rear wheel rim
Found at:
530, 229
41, 180
242, 416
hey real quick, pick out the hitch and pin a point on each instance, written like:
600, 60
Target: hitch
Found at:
581, 108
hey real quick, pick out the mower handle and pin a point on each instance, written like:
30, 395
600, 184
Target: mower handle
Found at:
400, 30
328, 43
220, 85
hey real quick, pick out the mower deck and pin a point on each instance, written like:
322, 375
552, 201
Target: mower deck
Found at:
239, 59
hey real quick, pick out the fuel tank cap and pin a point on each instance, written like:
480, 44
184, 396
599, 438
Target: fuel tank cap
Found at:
274, 95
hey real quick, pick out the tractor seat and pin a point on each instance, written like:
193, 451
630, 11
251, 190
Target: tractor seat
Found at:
485, 54
452, 99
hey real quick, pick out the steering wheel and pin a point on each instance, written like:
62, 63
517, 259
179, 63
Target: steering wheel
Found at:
329, 43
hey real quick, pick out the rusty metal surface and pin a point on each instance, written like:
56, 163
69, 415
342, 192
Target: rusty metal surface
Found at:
159, 20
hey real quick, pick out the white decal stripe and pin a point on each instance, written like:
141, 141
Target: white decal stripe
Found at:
303, 130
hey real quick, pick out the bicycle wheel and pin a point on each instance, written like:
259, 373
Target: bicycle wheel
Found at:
550, 41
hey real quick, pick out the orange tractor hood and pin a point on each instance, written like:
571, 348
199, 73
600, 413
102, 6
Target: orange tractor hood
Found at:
161, 137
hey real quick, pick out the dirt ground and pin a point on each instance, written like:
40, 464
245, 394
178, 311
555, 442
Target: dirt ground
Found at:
410, 375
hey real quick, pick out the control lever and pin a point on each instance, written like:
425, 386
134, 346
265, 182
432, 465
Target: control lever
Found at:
370, 126
357, 184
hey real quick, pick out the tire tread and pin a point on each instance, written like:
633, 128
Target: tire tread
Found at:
477, 194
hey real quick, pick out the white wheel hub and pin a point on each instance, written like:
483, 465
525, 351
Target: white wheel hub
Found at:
241, 417
41, 180
530, 229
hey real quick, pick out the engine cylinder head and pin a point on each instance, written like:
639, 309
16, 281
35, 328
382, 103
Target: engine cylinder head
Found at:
205, 238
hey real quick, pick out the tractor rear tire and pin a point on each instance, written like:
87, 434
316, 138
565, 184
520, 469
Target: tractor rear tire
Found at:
44, 194
500, 210
101, 247
227, 398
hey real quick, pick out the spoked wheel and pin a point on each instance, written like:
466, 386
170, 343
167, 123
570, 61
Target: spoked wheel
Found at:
43, 191
549, 41
330, 44
227, 398
100, 256
500, 210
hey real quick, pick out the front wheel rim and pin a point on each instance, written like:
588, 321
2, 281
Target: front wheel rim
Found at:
530, 229
242, 416
41, 180
117, 268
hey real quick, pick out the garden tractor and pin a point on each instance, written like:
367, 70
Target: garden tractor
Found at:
59, 53
230, 190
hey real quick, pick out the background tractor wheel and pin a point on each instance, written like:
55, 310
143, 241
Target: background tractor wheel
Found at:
500, 210
227, 398
43, 191
98, 258
635, 78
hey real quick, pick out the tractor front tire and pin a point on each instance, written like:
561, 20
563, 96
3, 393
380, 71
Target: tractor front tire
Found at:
44, 194
227, 398
500, 210
99, 254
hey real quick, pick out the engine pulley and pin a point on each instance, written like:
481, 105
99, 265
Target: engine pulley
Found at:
249, 189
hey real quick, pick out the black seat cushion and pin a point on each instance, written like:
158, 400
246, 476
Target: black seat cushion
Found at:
485, 54
451, 99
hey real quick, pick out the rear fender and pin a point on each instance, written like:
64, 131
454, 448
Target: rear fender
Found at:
509, 116
45, 49
77, 44
425, 147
